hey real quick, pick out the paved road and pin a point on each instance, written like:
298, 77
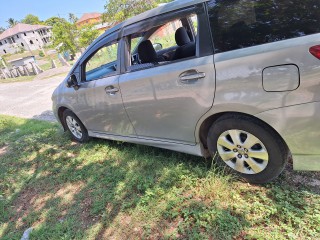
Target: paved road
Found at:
29, 99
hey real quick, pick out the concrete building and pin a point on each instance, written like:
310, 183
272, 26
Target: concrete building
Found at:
24, 37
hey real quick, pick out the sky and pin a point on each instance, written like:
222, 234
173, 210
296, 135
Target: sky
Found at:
44, 9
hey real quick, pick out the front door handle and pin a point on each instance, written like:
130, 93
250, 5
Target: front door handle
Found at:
111, 90
191, 76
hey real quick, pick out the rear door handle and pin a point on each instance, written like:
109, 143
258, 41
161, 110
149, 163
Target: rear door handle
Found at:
111, 90
191, 76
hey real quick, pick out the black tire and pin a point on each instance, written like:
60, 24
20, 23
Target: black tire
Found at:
84, 133
276, 149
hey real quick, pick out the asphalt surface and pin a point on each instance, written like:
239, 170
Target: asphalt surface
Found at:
29, 99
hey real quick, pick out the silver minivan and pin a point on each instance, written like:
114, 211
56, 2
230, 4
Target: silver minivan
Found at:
237, 79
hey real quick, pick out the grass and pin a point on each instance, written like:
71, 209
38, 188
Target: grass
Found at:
46, 66
18, 79
105, 189
10, 57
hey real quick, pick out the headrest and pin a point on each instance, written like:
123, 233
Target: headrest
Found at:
182, 37
146, 52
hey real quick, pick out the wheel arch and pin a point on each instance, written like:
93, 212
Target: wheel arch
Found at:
209, 121
60, 115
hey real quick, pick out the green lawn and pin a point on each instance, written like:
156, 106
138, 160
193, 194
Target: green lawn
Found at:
18, 79
105, 189
46, 66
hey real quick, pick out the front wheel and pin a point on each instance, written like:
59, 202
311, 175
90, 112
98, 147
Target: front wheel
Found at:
75, 126
248, 147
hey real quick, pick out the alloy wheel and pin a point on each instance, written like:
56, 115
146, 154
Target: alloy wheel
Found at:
74, 127
242, 151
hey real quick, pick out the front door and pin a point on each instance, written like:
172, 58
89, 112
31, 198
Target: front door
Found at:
98, 102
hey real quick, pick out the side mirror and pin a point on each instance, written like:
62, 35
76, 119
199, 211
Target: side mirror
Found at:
72, 82
157, 46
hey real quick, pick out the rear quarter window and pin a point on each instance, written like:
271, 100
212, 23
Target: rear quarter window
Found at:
238, 24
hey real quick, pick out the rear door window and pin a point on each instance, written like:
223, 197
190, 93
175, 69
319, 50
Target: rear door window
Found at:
245, 23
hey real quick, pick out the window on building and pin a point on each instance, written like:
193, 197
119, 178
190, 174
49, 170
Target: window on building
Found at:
17, 36
37, 40
5, 41
22, 44
31, 42
25, 34
4, 51
0, 43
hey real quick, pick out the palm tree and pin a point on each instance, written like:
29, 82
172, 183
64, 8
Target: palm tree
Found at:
12, 22
72, 18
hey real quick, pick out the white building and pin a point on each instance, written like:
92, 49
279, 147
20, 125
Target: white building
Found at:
24, 36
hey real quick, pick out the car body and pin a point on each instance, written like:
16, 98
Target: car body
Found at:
237, 60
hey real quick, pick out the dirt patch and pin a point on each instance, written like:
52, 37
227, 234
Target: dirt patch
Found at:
306, 181
3, 150
36, 200
23, 206
298, 179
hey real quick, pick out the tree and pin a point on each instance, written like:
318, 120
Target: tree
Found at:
65, 37
72, 18
31, 19
87, 34
12, 22
120, 10
54, 20
2, 29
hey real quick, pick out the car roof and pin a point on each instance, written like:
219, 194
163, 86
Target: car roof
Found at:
165, 8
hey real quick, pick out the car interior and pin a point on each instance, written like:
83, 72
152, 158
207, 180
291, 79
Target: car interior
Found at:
177, 40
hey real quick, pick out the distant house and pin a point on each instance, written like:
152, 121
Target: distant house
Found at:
24, 37
90, 18
93, 19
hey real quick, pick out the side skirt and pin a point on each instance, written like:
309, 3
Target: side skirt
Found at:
160, 143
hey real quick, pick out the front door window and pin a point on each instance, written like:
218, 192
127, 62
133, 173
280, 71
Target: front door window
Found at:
103, 63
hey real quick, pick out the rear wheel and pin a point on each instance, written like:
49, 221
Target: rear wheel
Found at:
248, 147
75, 126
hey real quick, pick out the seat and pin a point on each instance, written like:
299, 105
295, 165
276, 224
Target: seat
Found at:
186, 48
147, 53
